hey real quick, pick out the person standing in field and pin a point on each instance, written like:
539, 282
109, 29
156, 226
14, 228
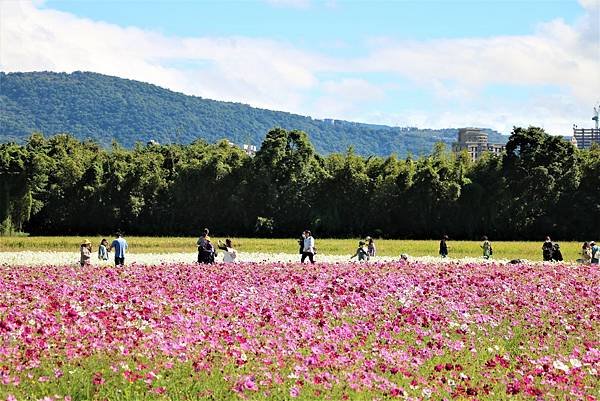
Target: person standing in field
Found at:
120, 246
371, 247
547, 248
309, 247
487, 247
301, 244
206, 251
362, 252
103, 250
203, 238
444, 247
595, 253
85, 251
229, 253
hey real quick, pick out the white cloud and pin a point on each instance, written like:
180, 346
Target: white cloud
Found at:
256, 71
345, 98
276, 75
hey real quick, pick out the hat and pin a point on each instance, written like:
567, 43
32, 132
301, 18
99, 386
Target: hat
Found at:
86, 242
592, 243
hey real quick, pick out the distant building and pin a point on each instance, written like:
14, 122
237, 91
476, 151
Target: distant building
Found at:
250, 149
475, 142
585, 137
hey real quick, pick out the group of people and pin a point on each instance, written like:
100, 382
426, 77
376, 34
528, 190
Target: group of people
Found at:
366, 250
486, 246
207, 252
119, 245
590, 252
551, 251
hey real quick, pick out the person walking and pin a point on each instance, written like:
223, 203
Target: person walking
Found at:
444, 247
103, 250
371, 247
85, 251
120, 246
595, 253
487, 247
547, 247
229, 253
362, 252
309, 247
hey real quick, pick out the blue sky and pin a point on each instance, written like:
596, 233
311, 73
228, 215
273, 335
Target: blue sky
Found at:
315, 24
409, 63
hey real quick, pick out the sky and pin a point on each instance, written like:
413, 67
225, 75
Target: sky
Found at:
427, 64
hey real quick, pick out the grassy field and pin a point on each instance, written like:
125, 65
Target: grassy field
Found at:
458, 249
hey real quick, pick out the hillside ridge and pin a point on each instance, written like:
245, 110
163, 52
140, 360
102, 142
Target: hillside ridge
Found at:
107, 108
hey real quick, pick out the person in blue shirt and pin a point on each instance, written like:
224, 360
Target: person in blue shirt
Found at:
120, 246
595, 253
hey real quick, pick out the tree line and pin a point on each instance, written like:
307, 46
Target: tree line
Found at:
541, 186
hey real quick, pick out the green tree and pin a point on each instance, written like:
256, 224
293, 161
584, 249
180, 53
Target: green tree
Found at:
539, 169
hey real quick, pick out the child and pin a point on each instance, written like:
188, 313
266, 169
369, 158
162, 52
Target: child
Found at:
103, 250
86, 253
362, 252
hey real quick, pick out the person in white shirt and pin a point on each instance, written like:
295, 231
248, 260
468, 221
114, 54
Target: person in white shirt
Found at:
309, 247
229, 253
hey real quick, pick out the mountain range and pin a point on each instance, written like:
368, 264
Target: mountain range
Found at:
106, 109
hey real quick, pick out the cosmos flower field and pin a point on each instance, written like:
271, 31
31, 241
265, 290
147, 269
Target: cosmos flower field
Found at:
389, 330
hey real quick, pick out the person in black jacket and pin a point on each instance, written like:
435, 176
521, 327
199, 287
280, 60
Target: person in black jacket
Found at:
444, 247
556, 253
301, 244
547, 248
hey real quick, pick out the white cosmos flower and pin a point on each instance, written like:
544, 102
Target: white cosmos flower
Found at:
30, 258
559, 365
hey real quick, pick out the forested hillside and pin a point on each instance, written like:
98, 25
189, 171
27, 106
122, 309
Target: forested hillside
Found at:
59, 185
89, 105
